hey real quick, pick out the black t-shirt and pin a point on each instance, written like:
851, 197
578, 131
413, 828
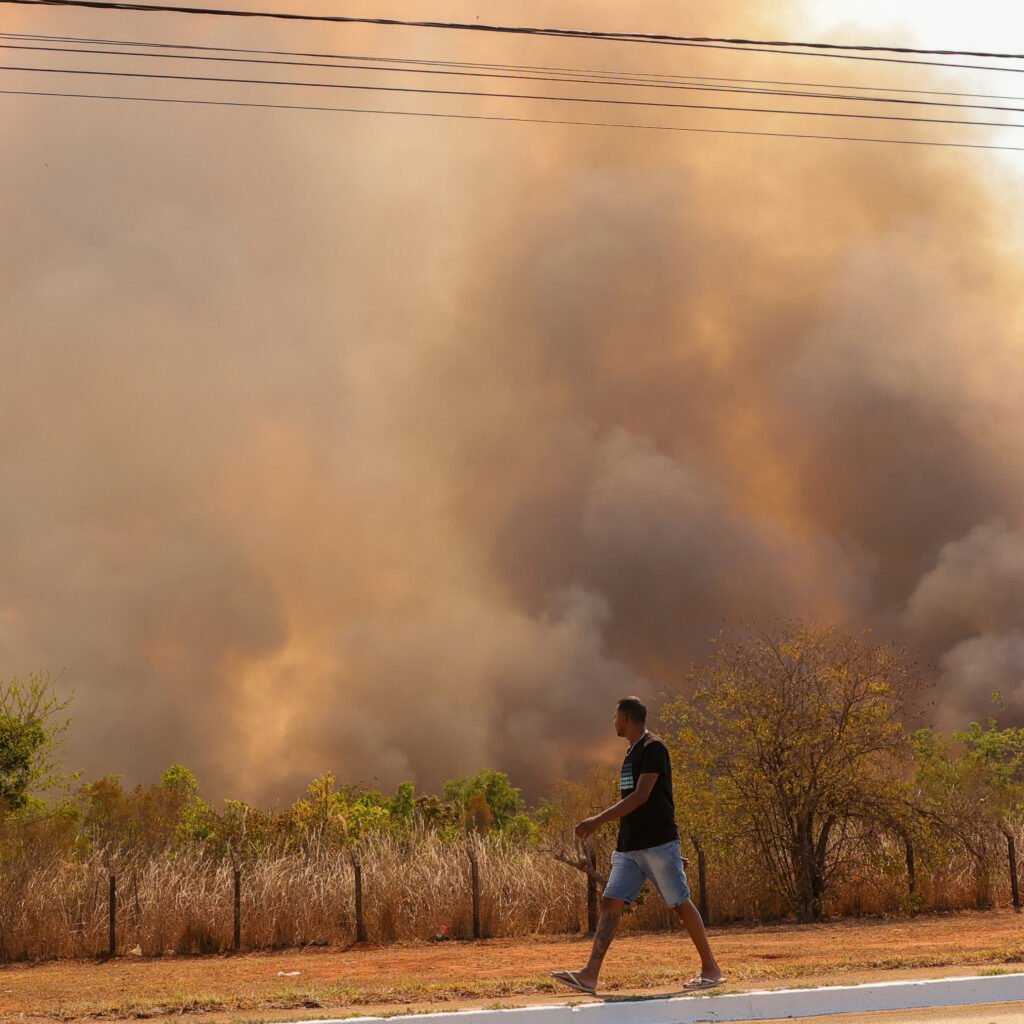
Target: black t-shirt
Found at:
654, 822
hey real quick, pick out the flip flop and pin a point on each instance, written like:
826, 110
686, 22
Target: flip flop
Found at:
570, 979
700, 982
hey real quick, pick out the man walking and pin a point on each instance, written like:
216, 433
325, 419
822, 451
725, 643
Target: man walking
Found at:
648, 847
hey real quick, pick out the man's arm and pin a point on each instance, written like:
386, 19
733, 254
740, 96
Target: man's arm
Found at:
636, 799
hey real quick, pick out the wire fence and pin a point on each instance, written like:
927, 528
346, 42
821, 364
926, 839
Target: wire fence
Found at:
423, 888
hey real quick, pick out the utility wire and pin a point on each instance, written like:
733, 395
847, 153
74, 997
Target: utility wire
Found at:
637, 37
637, 77
520, 120
619, 37
525, 77
809, 53
481, 94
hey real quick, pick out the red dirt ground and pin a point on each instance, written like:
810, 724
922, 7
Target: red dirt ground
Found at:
452, 975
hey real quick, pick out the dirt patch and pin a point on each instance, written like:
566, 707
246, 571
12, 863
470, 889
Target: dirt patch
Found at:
424, 976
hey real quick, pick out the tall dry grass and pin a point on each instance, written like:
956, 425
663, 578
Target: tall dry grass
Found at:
873, 881
415, 887
183, 902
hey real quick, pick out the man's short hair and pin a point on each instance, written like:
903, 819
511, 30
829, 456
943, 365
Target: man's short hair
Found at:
633, 708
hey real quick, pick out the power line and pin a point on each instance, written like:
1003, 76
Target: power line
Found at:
520, 120
481, 94
830, 56
225, 12
519, 72
526, 76
638, 37
633, 77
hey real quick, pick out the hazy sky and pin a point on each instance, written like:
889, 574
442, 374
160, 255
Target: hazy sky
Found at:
403, 447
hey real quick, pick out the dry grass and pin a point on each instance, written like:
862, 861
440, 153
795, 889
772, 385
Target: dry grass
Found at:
182, 902
872, 882
415, 887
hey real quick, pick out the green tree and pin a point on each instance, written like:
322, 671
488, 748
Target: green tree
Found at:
31, 733
181, 782
145, 821
502, 799
970, 787
403, 804
320, 817
366, 815
799, 734
431, 812
997, 755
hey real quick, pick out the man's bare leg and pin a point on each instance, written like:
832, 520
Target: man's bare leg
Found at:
694, 924
611, 911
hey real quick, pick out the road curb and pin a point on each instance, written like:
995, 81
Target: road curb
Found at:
742, 1006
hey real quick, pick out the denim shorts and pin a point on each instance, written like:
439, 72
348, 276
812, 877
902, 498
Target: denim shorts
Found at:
663, 865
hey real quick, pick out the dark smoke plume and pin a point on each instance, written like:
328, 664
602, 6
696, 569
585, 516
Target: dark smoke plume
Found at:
404, 448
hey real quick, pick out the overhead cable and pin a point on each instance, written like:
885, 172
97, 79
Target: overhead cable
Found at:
481, 94
511, 76
617, 77
522, 120
635, 37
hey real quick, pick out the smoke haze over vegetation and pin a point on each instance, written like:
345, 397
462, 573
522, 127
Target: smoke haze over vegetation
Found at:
404, 448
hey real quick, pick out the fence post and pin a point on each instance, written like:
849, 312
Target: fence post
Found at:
238, 909
112, 908
474, 873
591, 888
1011, 849
702, 879
357, 870
908, 847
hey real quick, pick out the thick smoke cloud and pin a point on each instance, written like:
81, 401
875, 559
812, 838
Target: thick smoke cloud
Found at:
403, 448
971, 606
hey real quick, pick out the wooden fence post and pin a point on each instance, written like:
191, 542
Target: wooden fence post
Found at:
357, 869
1011, 849
702, 879
112, 909
238, 909
474, 873
908, 848
591, 888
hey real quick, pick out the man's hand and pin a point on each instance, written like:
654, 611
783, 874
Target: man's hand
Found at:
587, 827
